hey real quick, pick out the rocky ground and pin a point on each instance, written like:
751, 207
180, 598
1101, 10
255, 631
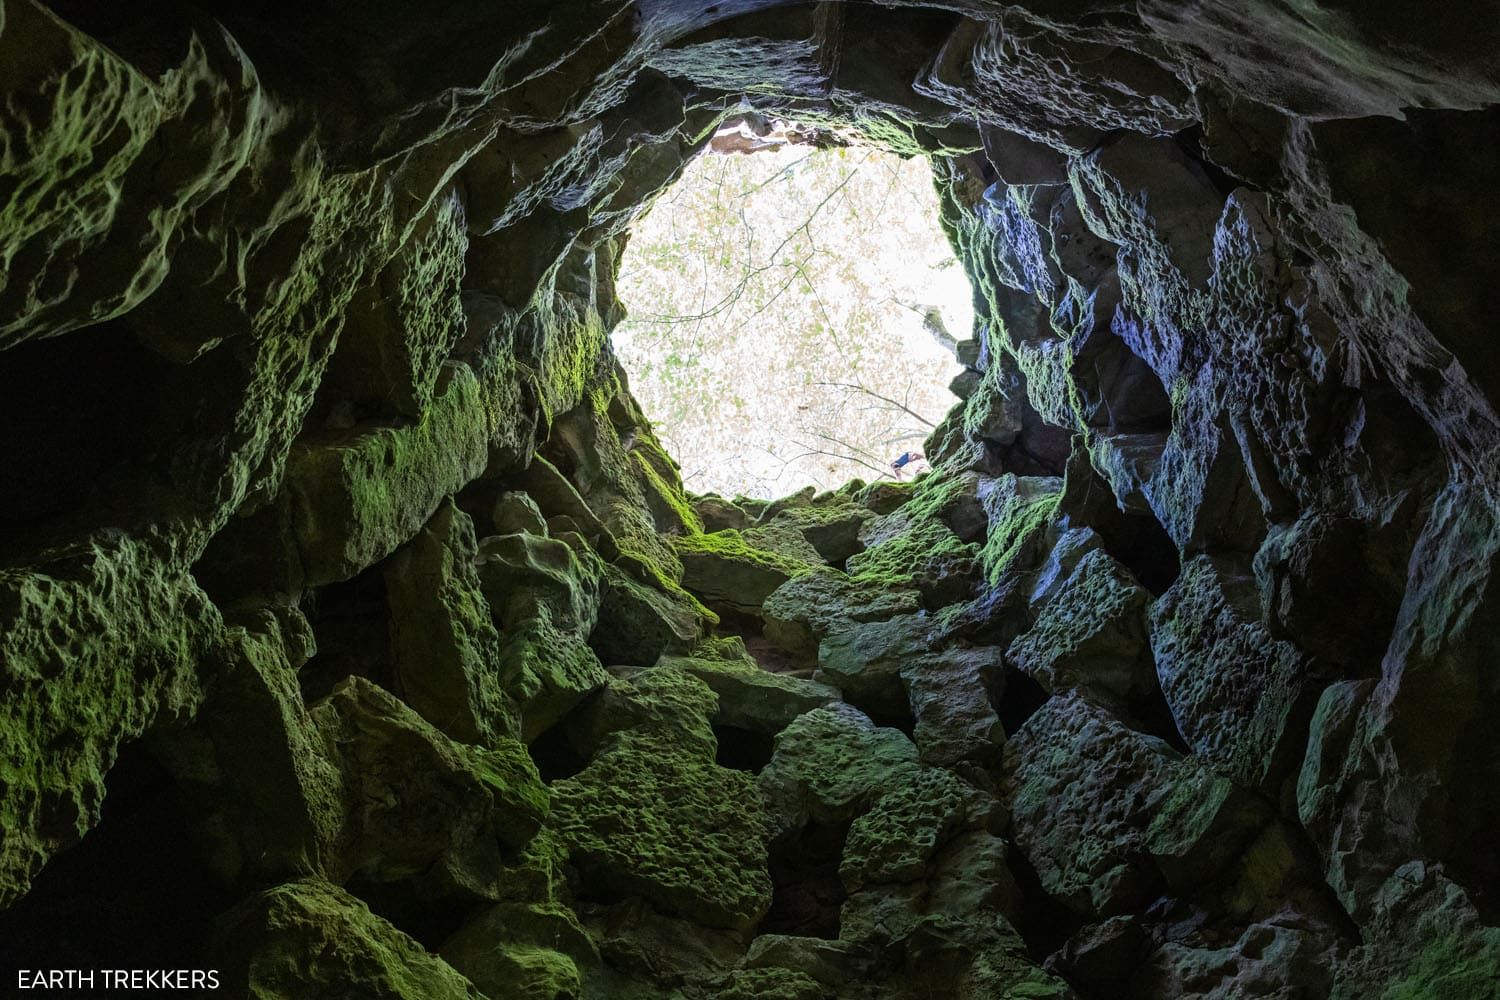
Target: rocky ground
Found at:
357, 638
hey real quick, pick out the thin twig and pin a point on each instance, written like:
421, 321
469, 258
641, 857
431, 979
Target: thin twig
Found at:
868, 392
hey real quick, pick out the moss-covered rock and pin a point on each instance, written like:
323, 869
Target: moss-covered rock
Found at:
553, 671
517, 951
717, 513
640, 621
1241, 693
354, 496
802, 611
259, 758
313, 939
420, 806
749, 696
445, 651
830, 765
1020, 510
524, 575
515, 512
1108, 816
1090, 633
952, 696
924, 553
865, 659
97, 644
896, 840
769, 983
652, 815
728, 569
831, 529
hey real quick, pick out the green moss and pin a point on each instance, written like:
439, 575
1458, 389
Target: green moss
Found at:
724, 568
915, 537
730, 544
769, 984
94, 648
900, 560
309, 938
518, 951
507, 769
445, 650
662, 486
1452, 967
355, 497
569, 339
896, 840
550, 671
654, 818
1019, 518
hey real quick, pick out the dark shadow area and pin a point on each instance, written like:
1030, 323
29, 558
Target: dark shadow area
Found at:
891, 715
1155, 717
137, 892
1134, 538
1140, 544
751, 628
351, 622
743, 749
428, 921
1020, 698
555, 756
1045, 924
99, 431
807, 892
1190, 141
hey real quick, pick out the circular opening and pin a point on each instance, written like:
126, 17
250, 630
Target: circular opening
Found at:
792, 313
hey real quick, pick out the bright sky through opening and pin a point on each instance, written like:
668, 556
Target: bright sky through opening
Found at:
781, 326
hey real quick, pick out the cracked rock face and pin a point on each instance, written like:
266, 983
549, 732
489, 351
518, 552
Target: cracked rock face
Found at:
358, 639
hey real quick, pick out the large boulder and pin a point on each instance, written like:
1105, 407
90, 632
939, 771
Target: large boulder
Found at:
731, 570
802, 611
1090, 634
1241, 696
418, 806
445, 651
313, 939
652, 814
1110, 817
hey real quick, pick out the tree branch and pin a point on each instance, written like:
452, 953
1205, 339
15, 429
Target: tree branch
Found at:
886, 399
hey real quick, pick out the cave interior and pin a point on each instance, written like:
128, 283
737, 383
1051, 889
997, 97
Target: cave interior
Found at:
359, 639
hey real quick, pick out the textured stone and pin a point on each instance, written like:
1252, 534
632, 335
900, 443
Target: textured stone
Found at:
525, 576
1239, 695
264, 338
1109, 816
445, 651
515, 513
734, 570
311, 938
419, 806
952, 697
638, 622
97, 644
692, 841
830, 765
750, 697
523, 951
1090, 634
802, 611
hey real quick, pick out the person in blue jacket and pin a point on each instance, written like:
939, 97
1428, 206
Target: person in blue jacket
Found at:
903, 460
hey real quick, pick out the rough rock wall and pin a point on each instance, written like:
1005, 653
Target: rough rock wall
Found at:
358, 639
